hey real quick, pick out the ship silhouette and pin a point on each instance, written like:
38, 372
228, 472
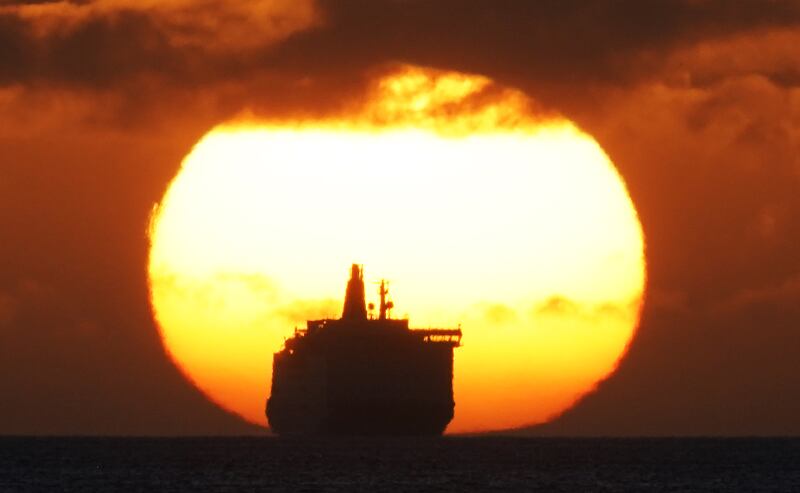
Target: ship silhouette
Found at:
363, 375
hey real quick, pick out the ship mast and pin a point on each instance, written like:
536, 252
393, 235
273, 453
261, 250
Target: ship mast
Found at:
386, 306
383, 292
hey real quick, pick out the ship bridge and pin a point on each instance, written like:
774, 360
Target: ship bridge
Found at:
358, 316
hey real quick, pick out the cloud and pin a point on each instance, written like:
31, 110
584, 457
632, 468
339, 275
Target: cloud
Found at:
557, 305
97, 44
536, 46
548, 49
301, 310
771, 54
498, 314
149, 61
766, 301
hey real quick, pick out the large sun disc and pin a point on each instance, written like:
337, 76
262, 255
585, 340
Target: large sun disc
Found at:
518, 229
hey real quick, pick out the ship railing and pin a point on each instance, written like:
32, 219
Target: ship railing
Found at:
451, 336
314, 325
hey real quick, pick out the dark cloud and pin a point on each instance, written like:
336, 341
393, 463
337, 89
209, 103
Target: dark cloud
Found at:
25, 2
562, 53
100, 45
14, 48
115, 49
106, 50
541, 46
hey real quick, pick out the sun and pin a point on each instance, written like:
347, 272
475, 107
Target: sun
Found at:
517, 228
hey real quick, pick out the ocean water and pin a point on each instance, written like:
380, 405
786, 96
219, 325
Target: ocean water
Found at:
447, 464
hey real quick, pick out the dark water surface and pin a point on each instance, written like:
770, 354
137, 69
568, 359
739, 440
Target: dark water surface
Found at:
442, 464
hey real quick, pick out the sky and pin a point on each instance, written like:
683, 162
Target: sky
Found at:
697, 102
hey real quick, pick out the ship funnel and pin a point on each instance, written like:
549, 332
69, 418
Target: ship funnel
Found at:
355, 306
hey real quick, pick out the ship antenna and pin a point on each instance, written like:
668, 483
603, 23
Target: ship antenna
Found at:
383, 291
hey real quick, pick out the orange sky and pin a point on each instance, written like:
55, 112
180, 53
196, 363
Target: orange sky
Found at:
697, 103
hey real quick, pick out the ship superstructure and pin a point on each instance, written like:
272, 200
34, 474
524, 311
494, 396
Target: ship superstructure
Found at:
362, 374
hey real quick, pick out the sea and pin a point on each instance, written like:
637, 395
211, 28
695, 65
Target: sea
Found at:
442, 464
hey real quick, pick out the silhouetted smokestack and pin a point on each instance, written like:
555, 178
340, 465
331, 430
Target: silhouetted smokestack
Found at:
355, 306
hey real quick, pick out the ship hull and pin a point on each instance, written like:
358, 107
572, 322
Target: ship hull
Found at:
363, 388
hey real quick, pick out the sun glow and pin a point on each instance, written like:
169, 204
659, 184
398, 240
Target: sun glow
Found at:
517, 228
